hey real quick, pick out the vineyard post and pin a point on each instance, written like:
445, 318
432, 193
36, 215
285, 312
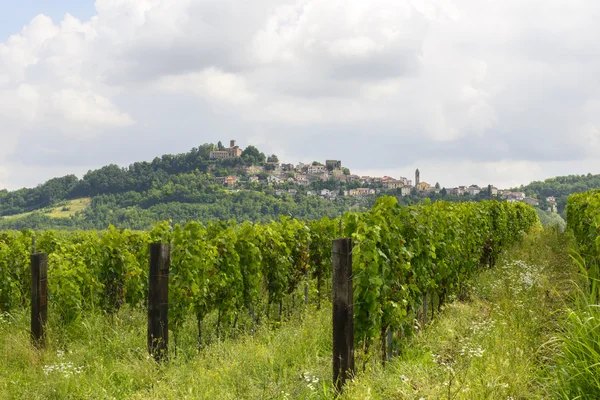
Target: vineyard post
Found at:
158, 301
39, 303
343, 312
306, 276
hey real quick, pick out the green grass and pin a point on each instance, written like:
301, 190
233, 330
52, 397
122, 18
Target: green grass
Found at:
64, 209
491, 346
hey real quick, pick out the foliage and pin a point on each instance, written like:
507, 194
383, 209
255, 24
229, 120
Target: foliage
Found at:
583, 221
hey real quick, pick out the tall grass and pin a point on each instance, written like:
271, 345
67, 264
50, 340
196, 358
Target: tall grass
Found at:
576, 371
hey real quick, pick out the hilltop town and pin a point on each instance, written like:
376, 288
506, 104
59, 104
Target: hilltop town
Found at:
331, 180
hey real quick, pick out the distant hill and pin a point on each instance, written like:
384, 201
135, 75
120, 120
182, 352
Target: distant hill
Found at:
561, 187
183, 187
179, 187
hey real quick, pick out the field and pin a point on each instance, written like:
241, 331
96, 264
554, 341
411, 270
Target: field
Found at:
250, 315
64, 209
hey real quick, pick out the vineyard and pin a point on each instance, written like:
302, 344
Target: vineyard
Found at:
226, 278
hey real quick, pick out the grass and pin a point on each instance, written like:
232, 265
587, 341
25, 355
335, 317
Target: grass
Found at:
491, 346
64, 209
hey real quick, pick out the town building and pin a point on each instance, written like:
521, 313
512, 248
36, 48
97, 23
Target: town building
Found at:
232, 152
316, 169
473, 190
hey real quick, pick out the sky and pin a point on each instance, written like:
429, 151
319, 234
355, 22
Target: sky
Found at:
481, 92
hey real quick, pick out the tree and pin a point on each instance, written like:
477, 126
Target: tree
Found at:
443, 192
205, 149
437, 185
346, 171
315, 163
220, 146
273, 158
252, 156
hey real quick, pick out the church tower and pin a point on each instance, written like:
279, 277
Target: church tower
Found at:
417, 177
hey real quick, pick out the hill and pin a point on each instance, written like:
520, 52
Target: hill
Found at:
213, 182
561, 187
177, 187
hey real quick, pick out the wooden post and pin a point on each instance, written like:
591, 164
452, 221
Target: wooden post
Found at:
306, 280
343, 313
39, 301
158, 301
424, 308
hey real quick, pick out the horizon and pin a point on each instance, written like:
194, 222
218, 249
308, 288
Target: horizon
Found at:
386, 87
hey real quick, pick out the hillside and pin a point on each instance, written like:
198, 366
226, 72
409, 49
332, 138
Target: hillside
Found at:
561, 187
178, 187
242, 185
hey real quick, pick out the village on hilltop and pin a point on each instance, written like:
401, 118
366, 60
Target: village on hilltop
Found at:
301, 175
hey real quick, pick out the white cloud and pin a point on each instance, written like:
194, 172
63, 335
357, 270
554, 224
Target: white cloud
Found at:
86, 107
508, 82
210, 83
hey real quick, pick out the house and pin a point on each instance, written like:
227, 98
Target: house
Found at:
292, 191
531, 201
316, 169
552, 204
325, 192
514, 196
311, 193
337, 172
423, 187
352, 178
253, 179
457, 191
386, 179
393, 184
232, 152
287, 167
405, 190
301, 180
227, 180
272, 179
254, 169
473, 190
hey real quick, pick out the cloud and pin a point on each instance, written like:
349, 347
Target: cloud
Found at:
469, 89
210, 83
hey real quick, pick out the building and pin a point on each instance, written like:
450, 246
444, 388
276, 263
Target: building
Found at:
232, 152
227, 180
417, 178
492, 190
394, 184
423, 186
552, 204
473, 190
337, 172
531, 201
254, 169
301, 180
405, 190
333, 164
360, 192
272, 179
316, 169
514, 196
253, 179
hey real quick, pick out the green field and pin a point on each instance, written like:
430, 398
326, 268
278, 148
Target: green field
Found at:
489, 345
64, 209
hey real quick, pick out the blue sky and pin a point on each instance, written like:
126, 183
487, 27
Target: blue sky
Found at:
14, 14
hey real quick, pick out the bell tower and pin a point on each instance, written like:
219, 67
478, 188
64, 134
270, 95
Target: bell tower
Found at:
417, 177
